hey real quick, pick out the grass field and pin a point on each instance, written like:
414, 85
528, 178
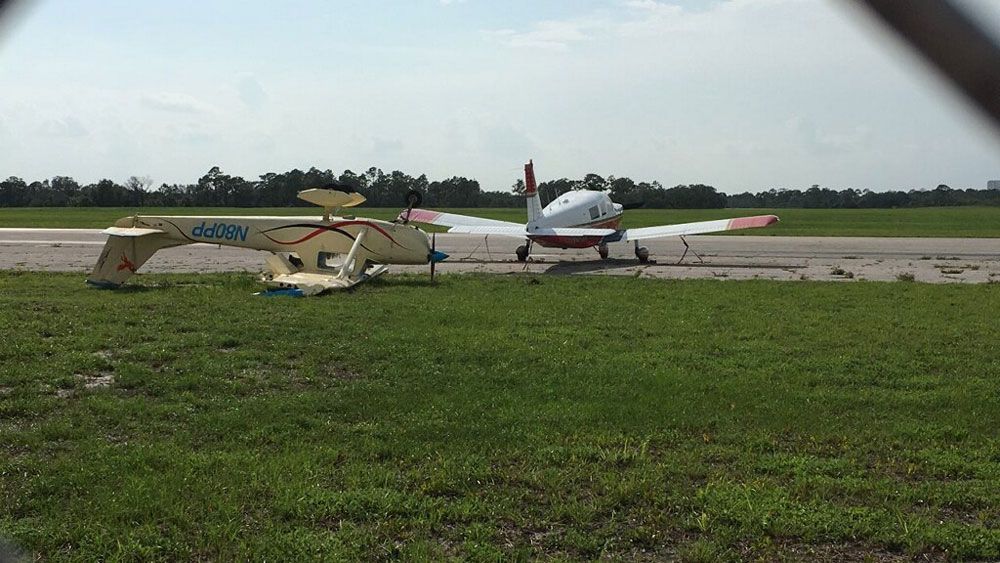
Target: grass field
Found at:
918, 222
508, 416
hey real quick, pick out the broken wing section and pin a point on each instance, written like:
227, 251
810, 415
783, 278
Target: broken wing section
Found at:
125, 251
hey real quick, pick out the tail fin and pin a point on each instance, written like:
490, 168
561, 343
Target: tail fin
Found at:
125, 251
531, 192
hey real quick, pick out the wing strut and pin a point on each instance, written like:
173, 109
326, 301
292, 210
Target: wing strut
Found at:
686, 248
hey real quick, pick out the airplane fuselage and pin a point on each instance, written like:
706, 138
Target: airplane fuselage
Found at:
577, 209
386, 242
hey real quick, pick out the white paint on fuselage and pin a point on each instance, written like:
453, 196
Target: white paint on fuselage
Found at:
577, 209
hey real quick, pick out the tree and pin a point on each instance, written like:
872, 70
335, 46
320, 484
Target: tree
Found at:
593, 182
137, 187
13, 192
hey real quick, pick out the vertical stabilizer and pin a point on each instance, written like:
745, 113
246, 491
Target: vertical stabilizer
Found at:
531, 193
126, 250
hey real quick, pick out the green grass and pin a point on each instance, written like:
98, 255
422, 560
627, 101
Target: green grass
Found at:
918, 222
508, 417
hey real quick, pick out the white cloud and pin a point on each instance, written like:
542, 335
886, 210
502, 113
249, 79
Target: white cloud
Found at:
251, 92
63, 127
557, 35
174, 102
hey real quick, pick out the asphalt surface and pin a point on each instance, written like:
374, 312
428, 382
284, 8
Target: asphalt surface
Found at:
939, 260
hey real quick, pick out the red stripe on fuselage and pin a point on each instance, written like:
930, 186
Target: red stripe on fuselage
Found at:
567, 242
322, 230
579, 242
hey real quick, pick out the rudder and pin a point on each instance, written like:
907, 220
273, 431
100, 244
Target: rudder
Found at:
531, 192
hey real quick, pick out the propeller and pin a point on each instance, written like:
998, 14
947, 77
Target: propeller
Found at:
413, 199
435, 256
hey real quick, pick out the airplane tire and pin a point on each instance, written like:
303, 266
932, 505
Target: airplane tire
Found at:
642, 253
603, 251
522, 253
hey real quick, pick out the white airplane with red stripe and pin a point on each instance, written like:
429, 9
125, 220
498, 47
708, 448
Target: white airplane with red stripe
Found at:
577, 219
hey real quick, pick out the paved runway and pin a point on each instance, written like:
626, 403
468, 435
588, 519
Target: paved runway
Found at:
939, 260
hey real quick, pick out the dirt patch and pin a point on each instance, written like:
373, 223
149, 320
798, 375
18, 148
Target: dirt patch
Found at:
99, 380
103, 354
342, 374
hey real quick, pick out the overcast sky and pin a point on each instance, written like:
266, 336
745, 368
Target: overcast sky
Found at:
739, 94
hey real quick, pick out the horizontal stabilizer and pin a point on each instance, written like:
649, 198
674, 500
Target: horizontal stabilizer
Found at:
452, 219
130, 231
331, 197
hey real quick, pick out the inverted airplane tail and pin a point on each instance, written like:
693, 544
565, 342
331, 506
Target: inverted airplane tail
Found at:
531, 192
125, 251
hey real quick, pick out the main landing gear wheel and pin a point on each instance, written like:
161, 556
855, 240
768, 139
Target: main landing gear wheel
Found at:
602, 249
522, 253
642, 253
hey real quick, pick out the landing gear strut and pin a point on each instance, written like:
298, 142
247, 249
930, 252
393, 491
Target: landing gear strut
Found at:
642, 253
523, 250
602, 249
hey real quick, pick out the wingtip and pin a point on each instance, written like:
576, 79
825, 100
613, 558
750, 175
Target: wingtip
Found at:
752, 222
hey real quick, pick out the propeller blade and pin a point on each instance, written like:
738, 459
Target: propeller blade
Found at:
435, 256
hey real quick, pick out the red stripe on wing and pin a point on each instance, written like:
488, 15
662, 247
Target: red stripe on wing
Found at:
420, 215
751, 222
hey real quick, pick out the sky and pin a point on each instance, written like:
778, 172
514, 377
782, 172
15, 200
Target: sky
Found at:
738, 94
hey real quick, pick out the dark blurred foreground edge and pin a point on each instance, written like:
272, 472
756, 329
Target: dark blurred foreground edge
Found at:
951, 42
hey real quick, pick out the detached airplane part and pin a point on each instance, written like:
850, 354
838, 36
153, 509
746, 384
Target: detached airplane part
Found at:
310, 256
577, 219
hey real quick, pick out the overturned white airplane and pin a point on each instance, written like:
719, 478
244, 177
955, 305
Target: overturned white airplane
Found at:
310, 255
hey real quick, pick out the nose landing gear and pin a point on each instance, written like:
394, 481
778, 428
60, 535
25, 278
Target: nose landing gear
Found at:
642, 253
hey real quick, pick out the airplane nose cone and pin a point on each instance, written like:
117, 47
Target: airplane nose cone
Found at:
437, 256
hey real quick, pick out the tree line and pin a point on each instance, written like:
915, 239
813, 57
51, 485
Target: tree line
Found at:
382, 189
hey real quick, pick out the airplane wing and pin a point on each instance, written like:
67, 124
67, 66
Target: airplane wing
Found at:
453, 220
520, 231
701, 227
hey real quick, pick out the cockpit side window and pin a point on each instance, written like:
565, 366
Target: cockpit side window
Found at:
594, 213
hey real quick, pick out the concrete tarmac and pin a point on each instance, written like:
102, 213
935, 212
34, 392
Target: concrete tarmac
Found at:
938, 260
